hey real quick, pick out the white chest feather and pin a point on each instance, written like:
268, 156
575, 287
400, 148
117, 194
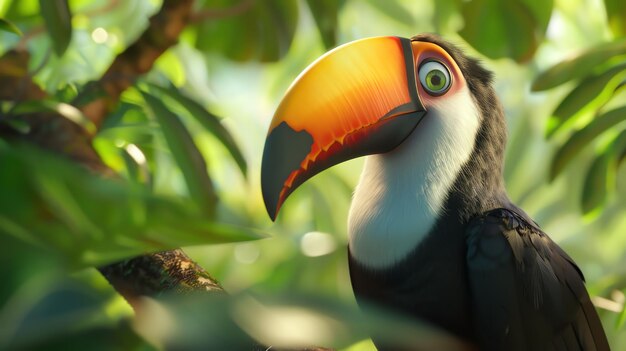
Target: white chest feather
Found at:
401, 193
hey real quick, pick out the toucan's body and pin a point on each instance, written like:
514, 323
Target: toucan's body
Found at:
432, 232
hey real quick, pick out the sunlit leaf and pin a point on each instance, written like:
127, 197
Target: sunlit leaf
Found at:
595, 187
171, 66
579, 65
583, 137
542, 12
66, 93
445, 10
186, 155
261, 30
597, 89
505, 28
616, 14
393, 10
603, 169
136, 164
58, 19
326, 13
9, 27
210, 122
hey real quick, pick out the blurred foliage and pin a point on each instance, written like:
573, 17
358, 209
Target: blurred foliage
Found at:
9, 27
506, 28
261, 30
595, 109
58, 20
189, 177
91, 221
283, 321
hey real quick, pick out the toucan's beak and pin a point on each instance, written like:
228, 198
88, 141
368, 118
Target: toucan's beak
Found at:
358, 99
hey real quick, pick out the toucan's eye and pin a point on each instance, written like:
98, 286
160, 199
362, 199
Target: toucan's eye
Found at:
434, 77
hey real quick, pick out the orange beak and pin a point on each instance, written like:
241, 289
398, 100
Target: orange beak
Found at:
358, 99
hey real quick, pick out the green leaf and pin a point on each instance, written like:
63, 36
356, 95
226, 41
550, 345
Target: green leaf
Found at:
578, 66
88, 220
170, 64
542, 12
618, 148
23, 12
326, 13
263, 31
590, 93
445, 11
602, 173
278, 21
58, 19
66, 110
393, 10
619, 323
58, 313
209, 121
583, 137
500, 29
616, 14
595, 187
17, 124
186, 154
9, 27
64, 308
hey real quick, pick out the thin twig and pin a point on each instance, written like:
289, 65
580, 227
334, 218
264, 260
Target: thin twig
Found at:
138, 59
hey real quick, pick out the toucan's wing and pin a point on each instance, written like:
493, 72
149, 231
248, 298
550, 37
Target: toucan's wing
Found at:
527, 293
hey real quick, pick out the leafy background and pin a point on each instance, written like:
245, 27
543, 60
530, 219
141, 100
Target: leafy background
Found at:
187, 141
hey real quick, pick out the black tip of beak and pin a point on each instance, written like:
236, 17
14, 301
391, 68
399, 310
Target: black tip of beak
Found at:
284, 151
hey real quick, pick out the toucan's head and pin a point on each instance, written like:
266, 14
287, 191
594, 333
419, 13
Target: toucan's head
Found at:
367, 97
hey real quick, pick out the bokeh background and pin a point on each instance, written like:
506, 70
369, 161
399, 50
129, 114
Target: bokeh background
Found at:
560, 69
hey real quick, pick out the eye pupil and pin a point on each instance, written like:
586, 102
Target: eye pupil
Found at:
435, 77
435, 80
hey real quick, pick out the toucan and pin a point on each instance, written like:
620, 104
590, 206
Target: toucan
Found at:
432, 231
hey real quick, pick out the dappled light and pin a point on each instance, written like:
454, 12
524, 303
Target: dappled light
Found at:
131, 144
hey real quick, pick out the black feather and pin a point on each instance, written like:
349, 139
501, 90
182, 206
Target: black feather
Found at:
543, 294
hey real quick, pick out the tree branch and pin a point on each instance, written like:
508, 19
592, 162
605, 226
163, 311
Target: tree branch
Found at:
138, 59
147, 275
144, 275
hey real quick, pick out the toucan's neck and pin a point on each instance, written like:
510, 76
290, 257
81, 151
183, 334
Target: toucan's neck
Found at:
453, 153
479, 186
